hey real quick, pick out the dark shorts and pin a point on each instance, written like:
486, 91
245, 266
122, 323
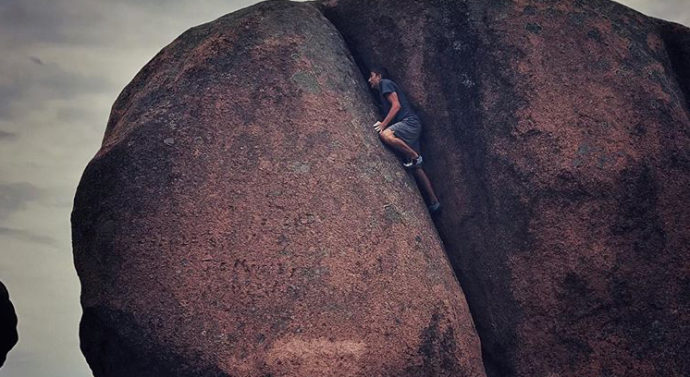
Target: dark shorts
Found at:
408, 130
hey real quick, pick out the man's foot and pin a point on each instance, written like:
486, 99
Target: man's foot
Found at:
414, 163
433, 208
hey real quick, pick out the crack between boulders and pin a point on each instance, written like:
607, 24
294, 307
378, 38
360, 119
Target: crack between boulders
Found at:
496, 365
677, 45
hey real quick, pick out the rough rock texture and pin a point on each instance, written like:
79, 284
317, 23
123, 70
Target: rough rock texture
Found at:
557, 135
243, 219
8, 324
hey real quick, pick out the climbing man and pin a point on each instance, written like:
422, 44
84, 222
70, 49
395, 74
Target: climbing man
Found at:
400, 129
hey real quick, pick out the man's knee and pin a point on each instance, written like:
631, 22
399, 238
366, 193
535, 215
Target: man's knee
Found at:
387, 135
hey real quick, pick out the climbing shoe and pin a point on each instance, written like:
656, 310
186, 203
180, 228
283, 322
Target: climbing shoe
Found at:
414, 163
433, 208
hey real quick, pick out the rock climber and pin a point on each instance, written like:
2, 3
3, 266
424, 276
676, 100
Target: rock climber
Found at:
400, 129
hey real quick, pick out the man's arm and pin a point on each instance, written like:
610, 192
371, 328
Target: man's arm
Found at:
395, 107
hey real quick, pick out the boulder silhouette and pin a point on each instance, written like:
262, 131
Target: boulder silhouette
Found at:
243, 219
557, 137
8, 324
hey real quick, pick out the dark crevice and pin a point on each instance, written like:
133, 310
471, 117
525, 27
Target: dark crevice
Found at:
456, 121
677, 41
462, 237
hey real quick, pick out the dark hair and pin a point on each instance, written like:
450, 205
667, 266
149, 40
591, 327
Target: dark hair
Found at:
380, 70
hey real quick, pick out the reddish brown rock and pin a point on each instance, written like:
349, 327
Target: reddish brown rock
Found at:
242, 219
558, 138
8, 324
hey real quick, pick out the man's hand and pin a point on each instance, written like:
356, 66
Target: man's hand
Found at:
378, 127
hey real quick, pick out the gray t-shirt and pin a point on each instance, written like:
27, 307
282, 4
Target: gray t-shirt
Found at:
388, 86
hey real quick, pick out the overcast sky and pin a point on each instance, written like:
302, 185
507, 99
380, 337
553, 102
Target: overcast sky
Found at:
63, 63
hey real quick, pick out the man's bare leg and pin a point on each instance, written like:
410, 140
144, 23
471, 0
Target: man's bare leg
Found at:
388, 137
425, 184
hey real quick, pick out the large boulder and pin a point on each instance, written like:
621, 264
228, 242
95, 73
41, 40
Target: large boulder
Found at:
8, 324
557, 136
242, 219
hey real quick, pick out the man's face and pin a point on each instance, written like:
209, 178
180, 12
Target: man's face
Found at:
374, 79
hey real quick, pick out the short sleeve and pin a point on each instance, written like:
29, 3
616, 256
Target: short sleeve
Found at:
387, 86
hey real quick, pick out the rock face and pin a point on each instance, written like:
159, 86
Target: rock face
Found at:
243, 219
558, 138
8, 324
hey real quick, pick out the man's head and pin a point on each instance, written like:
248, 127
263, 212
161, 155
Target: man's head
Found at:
375, 76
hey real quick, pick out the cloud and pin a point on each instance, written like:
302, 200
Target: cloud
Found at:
60, 49
25, 235
4, 135
36, 83
72, 114
15, 196
58, 21
36, 60
117, 22
670, 10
